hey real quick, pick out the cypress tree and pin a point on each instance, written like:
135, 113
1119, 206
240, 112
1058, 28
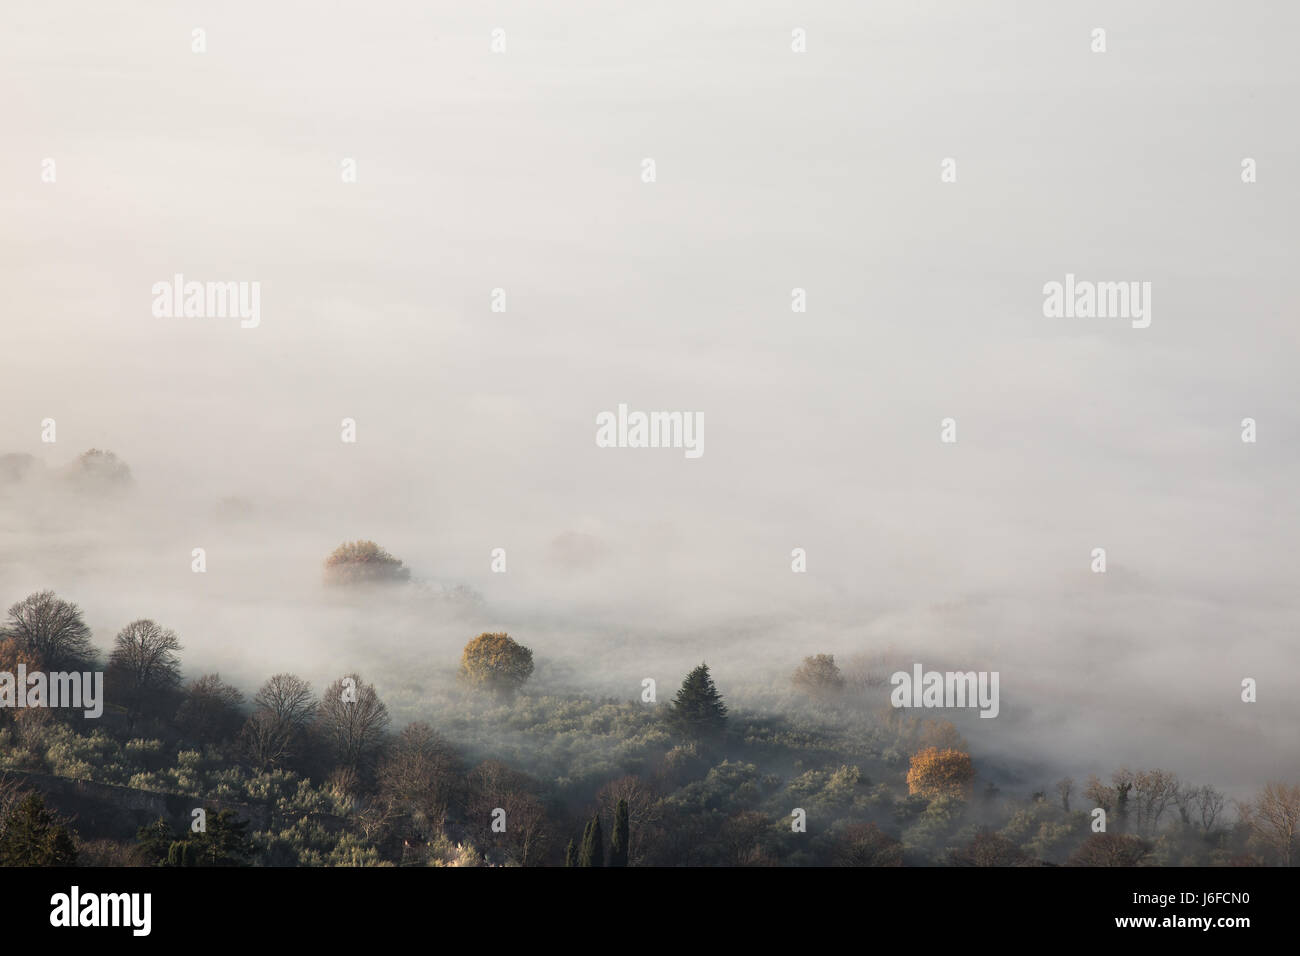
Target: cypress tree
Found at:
593, 845
698, 710
571, 854
618, 839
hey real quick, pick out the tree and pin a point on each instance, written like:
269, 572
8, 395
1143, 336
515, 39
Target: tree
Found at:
1153, 791
1111, 849
989, 849
1064, 787
210, 712
284, 709
419, 778
865, 844
143, 668
1274, 819
592, 852
363, 562
53, 631
1199, 806
495, 787
155, 840
571, 855
698, 710
224, 841
818, 676
644, 811
496, 662
12, 655
618, 840
99, 471
743, 837
934, 773
1114, 798
31, 835
352, 719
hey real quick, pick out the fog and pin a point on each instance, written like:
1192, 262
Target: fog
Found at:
475, 429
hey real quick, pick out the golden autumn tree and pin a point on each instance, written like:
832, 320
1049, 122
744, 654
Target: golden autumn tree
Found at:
12, 653
496, 662
363, 562
936, 773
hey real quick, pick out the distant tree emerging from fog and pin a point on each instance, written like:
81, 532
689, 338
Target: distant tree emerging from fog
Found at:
51, 630
363, 562
497, 663
99, 471
698, 710
818, 676
937, 773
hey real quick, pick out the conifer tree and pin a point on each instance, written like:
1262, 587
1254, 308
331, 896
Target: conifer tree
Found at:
593, 845
618, 839
34, 836
698, 710
571, 854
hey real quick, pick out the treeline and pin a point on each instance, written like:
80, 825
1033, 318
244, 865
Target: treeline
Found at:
509, 778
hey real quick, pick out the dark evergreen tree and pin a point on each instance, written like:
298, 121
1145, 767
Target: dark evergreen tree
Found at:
33, 836
697, 710
618, 839
225, 842
155, 841
571, 854
593, 845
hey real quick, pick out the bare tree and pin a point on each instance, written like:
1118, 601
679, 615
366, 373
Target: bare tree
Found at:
1210, 805
353, 721
285, 708
1111, 849
210, 712
1199, 806
53, 631
1274, 819
420, 778
143, 669
492, 787
1153, 791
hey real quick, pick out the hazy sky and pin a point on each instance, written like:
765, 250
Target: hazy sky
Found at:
475, 429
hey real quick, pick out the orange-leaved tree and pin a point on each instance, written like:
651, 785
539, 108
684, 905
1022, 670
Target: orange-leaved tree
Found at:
937, 773
497, 663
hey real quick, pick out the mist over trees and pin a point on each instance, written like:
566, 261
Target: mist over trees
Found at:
494, 775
